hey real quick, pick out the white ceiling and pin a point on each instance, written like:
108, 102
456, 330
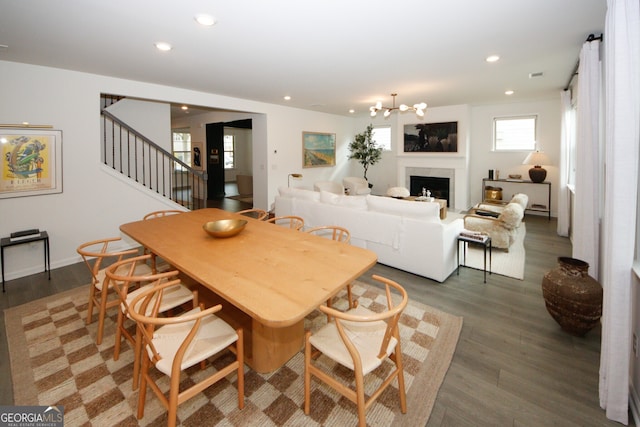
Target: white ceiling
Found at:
328, 55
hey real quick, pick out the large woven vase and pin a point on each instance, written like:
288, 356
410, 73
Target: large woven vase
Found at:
573, 298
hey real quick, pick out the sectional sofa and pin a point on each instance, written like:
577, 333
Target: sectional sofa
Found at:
408, 235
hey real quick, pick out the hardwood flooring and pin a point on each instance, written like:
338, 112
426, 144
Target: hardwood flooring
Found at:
513, 365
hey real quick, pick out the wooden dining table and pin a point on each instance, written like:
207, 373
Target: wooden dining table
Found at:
268, 277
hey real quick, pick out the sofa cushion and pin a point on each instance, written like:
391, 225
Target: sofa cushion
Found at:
406, 208
299, 193
356, 202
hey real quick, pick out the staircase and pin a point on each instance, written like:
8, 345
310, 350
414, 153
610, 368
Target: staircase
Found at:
132, 154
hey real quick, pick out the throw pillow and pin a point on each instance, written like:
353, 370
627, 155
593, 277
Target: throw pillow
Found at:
405, 208
299, 193
357, 202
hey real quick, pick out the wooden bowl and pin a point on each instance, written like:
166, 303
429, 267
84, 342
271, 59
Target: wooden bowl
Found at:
515, 176
225, 227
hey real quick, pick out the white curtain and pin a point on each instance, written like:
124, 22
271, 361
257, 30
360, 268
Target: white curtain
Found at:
566, 142
586, 236
622, 142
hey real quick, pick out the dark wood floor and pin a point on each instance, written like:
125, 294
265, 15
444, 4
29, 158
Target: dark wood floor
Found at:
513, 365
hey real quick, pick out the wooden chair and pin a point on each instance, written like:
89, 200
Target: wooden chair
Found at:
290, 221
100, 252
179, 343
122, 274
339, 234
259, 214
359, 340
158, 214
162, 266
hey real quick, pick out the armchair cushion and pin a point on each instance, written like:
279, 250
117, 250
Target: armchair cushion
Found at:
502, 229
512, 215
356, 186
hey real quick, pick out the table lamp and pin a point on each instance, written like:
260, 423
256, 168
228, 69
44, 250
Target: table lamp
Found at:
537, 158
295, 175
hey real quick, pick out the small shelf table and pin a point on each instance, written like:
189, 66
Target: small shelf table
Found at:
486, 243
6, 242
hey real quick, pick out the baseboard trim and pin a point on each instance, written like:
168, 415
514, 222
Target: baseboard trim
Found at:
634, 405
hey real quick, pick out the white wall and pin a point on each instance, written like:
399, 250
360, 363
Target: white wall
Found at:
151, 119
94, 203
484, 158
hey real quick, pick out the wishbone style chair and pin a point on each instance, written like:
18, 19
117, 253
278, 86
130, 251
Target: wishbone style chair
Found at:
291, 221
158, 214
101, 252
121, 274
259, 214
162, 266
360, 340
339, 234
173, 344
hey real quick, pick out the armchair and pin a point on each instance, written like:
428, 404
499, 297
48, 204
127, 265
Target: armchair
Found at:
498, 206
356, 186
501, 229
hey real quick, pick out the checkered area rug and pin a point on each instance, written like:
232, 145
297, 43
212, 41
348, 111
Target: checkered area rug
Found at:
55, 361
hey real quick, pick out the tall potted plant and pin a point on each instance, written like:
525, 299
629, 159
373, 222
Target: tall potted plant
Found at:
365, 150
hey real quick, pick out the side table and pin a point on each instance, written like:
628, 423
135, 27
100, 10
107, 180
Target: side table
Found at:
6, 242
486, 243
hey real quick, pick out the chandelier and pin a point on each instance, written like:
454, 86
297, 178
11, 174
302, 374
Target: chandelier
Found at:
418, 108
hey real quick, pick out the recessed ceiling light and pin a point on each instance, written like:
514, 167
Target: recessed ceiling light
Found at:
165, 47
287, 98
508, 92
206, 20
352, 111
492, 58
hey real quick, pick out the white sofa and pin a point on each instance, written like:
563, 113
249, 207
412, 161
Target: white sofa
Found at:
404, 234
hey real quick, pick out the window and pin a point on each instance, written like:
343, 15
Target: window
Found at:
182, 146
382, 136
514, 133
229, 151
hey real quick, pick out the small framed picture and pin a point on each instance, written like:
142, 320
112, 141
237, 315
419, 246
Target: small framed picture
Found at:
318, 149
31, 162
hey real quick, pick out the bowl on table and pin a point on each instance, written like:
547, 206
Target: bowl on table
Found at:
225, 227
515, 176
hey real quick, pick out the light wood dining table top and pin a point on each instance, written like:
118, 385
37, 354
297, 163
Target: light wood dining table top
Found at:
274, 274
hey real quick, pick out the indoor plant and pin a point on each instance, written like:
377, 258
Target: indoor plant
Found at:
364, 149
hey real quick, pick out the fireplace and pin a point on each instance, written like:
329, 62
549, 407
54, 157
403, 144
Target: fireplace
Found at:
438, 186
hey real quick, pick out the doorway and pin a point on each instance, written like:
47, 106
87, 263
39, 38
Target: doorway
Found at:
229, 154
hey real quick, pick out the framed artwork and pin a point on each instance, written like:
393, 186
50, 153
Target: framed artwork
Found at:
431, 138
318, 149
31, 162
196, 155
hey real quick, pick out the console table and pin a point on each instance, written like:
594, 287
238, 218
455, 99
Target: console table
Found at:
6, 242
533, 207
